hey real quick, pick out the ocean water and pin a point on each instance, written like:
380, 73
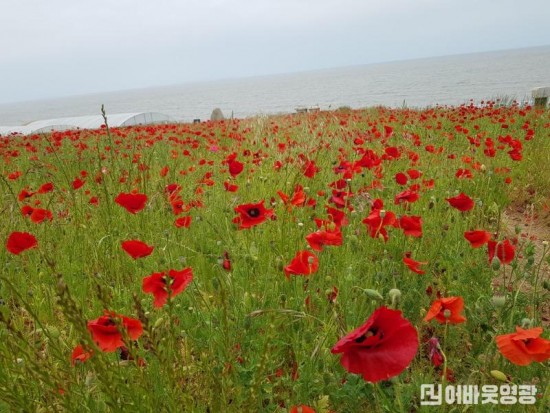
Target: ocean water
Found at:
449, 80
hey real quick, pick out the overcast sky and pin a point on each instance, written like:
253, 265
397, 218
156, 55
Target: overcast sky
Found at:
70, 47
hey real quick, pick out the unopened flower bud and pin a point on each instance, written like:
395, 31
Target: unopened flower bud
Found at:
373, 294
498, 301
158, 323
526, 323
395, 296
499, 375
495, 264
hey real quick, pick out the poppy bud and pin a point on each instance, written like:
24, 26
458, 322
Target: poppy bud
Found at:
498, 301
395, 296
526, 323
158, 323
499, 375
495, 265
53, 331
375, 295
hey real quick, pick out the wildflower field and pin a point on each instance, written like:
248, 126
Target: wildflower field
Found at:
326, 262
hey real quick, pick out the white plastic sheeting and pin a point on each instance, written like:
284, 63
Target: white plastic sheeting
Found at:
87, 122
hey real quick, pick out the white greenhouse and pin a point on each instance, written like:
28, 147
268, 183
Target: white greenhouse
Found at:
87, 122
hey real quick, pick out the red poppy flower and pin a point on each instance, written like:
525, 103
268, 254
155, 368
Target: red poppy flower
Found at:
477, 238
381, 348
462, 202
14, 175
304, 263
309, 169
504, 250
414, 173
317, 239
226, 262
337, 216
80, 355
133, 203
235, 167
45, 188
24, 194
107, 330
137, 249
26, 210
163, 285
436, 355
251, 215
413, 265
447, 310
183, 222
20, 241
172, 189
298, 197
411, 225
401, 178
524, 346
377, 220
38, 215
406, 196
229, 187
78, 183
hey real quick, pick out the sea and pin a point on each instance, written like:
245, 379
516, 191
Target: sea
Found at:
437, 81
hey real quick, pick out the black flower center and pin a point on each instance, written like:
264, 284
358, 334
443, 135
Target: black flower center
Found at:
374, 331
253, 212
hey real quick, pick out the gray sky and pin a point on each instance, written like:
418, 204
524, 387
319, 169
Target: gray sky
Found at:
69, 47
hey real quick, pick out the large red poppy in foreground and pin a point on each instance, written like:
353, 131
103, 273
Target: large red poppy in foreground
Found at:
381, 348
524, 346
